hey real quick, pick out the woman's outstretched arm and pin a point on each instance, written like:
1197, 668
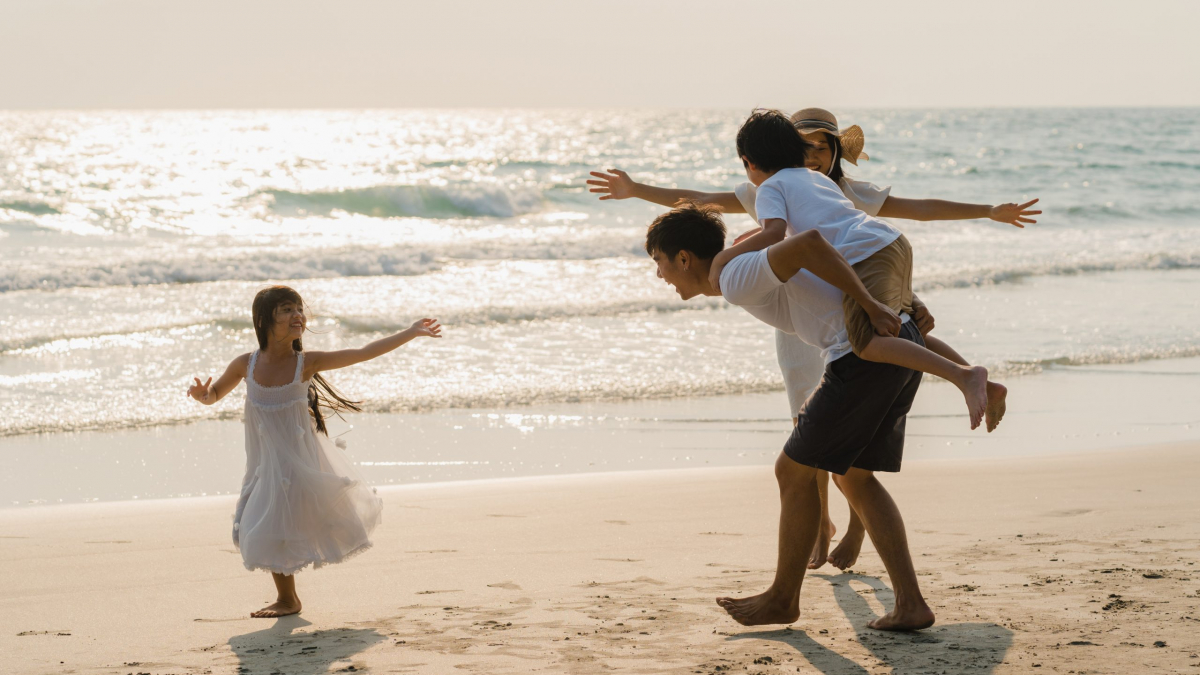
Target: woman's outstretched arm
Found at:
937, 209
316, 362
617, 184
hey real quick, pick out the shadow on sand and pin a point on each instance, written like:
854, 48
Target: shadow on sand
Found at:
284, 649
950, 648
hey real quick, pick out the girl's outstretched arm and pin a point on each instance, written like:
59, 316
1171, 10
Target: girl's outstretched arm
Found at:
937, 209
316, 362
209, 393
617, 184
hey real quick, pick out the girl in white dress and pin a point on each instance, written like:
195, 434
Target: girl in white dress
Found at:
801, 364
302, 501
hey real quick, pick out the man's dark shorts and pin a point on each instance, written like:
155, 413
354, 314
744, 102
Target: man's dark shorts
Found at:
855, 417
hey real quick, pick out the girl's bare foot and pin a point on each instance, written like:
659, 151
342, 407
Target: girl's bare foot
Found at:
974, 389
996, 395
278, 608
846, 553
914, 618
821, 548
763, 609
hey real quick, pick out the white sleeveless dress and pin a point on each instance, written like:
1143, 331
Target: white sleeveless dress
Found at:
302, 501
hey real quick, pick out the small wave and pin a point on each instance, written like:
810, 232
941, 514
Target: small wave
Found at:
32, 208
411, 201
1150, 261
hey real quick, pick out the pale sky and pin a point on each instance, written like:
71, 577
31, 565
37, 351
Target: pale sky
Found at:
615, 53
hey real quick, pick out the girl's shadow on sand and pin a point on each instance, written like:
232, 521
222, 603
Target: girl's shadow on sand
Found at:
282, 648
953, 648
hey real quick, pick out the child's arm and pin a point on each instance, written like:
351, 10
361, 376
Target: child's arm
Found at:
315, 362
937, 209
772, 232
617, 184
809, 250
209, 393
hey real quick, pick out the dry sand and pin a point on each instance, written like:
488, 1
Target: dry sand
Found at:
1074, 563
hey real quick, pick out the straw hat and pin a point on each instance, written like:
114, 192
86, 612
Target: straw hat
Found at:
819, 119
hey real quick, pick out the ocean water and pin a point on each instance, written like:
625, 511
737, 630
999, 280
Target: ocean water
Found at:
131, 245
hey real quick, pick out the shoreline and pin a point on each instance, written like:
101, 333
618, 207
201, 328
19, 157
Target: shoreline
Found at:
1024, 562
1061, 410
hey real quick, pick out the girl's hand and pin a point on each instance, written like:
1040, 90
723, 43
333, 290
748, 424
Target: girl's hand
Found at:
1014, 214
714, 271
198, 391
746, 235
923, 318
616, 184
426, 328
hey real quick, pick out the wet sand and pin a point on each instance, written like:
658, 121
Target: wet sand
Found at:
1082, 562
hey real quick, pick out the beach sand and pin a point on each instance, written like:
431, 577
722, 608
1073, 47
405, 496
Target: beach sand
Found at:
1075, 562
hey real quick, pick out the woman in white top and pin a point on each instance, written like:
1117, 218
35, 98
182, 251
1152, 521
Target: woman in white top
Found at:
801, 364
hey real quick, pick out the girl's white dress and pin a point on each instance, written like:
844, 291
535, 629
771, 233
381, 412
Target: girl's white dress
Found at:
302, 501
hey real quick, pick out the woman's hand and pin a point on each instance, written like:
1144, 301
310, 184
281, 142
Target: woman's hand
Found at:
426, 328
200, 392
1014, 214
616, 184
884, 320
746, 235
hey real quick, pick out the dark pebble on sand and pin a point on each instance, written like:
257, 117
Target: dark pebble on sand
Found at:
1152, 575
1160, 643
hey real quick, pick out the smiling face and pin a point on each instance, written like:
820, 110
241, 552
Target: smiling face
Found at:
820, 158
681, 273
289, 322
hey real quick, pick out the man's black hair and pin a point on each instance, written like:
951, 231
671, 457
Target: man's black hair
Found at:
691, 227
771, 142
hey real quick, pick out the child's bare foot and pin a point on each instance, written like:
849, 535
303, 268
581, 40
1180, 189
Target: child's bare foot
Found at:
996, 395
846, 553
278, 608
763, 609
821, 548
974, 388
898, 619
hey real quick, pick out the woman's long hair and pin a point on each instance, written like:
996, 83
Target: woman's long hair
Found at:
321, 394
835, 165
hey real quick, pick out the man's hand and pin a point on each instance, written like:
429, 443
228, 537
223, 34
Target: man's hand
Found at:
616, 184
714, 272
1014, 214
746, 235
923, 318
426, 328
885, 321
199, 391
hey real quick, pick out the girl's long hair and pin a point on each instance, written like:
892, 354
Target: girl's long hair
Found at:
321, 394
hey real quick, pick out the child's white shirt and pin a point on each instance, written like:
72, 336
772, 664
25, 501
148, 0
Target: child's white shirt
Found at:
807, 200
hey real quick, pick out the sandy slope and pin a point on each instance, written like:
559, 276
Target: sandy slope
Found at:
1067, 564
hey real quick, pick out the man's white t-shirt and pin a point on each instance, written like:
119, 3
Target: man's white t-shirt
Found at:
804, 306
808, 200
866, 197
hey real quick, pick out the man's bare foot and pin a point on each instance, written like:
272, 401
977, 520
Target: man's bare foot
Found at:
278, 608
996, 395
902, 620
974, 388
846, 553
821, 548
762, 609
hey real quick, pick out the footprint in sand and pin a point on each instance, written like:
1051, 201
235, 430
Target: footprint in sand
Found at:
451, 590
506, 585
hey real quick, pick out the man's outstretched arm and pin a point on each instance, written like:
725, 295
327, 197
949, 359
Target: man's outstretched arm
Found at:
808, 250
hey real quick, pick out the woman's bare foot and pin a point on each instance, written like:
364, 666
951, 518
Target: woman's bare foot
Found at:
974, 388
278, 608
762, 609
898, 619
821, 548
846, 553
996, 395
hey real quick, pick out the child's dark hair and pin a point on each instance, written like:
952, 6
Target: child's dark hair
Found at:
769, 140
690, 227
320, 393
